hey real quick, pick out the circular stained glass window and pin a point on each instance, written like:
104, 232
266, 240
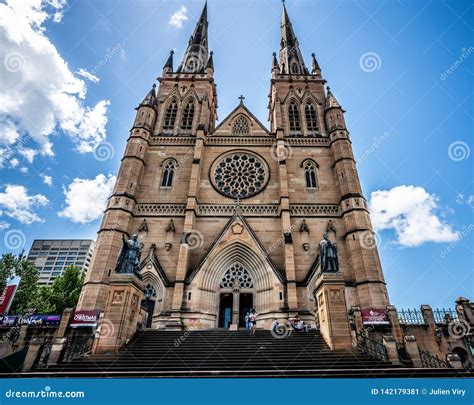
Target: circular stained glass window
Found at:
239, 174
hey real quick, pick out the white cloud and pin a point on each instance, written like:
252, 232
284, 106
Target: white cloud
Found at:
23, 169
38, 91
16, 203
14, 162
28, 153
4, 225
8, 133
413, 213
48, 180
179, 17
88, 75
86, 198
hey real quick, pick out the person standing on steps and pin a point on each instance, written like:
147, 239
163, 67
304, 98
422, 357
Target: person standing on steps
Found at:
247, 321
253, 322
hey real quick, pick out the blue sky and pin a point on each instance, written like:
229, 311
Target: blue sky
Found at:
73, 72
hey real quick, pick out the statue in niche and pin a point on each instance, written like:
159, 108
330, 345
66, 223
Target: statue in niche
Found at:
328, 255
129, 259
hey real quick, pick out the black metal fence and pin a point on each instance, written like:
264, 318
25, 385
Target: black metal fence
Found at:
429, 360
77, 346
371, 347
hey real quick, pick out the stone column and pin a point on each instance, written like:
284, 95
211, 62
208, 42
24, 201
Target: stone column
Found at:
357, 316
395, 323
391, 347
59, 339
119, 322
428, 317
235, 307
283, 152
332, 310
412, 348
33, 349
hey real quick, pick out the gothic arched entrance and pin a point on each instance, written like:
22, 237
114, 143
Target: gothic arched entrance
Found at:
236, 291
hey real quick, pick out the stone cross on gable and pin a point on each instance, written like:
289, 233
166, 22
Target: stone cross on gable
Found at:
241, 98
237, 204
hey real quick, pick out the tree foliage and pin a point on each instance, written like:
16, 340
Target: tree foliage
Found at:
30, 297
65, 290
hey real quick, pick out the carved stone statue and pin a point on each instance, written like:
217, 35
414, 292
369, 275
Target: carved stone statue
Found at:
328, 255
129, 259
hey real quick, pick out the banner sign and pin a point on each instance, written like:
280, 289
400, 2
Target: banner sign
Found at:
8, 294
373, 316
31, 320
84, 318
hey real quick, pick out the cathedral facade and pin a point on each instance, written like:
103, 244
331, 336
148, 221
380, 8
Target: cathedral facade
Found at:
231, 216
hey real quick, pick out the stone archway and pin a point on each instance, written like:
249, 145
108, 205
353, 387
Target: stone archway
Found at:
265, 286
236, 292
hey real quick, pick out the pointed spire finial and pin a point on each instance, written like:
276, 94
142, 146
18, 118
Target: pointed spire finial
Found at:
331, 101
169, 62
290, 54
196, 55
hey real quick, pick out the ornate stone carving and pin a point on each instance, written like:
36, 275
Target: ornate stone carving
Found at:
239, 174
170, 227
143, 226
237, 274
304, 226
237, 229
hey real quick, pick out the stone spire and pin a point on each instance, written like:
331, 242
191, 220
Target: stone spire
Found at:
275, 65
210, 61
291, 60
315, 69
169, 63
150, 98
197, 54
331, 101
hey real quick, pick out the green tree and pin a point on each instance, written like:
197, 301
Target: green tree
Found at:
27, 291
65, 290
7, 267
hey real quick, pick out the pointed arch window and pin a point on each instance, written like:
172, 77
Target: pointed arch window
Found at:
294, 117
170, 115
169, 168
311, 119
188, 116
294, 68
310, 167
241, 126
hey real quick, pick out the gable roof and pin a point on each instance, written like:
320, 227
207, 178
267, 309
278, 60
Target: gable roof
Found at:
241, 108
236, 220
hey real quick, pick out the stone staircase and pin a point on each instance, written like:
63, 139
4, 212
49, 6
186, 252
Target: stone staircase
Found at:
222, 353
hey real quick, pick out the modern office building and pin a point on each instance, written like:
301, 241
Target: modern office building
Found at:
52, 256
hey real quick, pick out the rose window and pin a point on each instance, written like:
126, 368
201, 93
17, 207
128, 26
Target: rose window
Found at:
237, 274
239, 174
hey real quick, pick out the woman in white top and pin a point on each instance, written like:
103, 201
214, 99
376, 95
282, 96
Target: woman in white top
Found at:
253, 322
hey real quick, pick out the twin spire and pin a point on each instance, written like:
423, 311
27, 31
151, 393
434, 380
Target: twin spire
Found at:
197, 58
